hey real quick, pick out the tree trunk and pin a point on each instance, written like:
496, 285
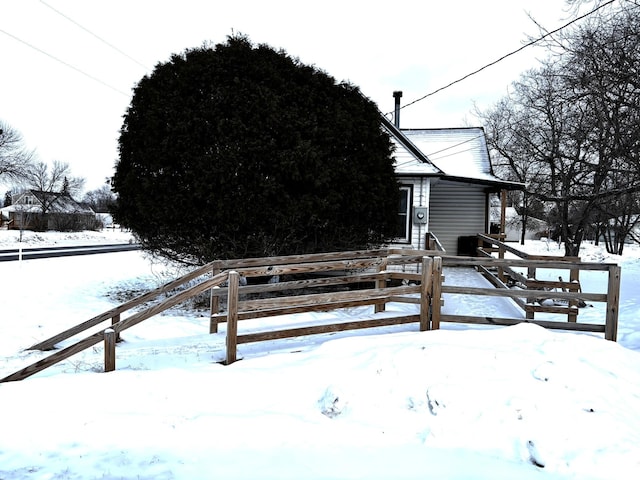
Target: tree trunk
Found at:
524, 228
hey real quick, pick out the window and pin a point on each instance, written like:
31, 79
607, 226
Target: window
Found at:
403, 233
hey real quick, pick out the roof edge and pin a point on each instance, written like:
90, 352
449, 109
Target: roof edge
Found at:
406, 143
506, 184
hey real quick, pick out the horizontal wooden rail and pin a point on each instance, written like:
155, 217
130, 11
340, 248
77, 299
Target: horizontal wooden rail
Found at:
314, 302
275, 312
314, 299
517, 293
118, 327
307, 283
479, 320
515, 262
51, 342
519, 253
326, 328
313, 267
237, 264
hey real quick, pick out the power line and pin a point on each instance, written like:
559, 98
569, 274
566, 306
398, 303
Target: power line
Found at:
431, 155
66, 64
533, 42
452, 154
94, 35
454, 146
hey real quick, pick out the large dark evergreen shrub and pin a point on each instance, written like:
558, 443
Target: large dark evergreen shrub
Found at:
240, 150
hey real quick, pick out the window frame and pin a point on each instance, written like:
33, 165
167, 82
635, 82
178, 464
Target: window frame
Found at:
407, 191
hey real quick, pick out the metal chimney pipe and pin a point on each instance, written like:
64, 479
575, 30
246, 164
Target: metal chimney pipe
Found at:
397, 95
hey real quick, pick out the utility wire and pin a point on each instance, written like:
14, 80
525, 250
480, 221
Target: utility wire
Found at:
452, 154
95, 79
454, 146
430, 155
94, 35
533, 42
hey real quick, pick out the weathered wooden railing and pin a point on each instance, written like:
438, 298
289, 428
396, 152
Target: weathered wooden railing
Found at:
490, 245
110, 334
432, 243
373, 277
371, 270
611, 297
210, 277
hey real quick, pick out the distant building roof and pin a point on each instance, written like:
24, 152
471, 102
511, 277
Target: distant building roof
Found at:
54, 201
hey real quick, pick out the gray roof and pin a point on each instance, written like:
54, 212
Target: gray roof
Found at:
458, 154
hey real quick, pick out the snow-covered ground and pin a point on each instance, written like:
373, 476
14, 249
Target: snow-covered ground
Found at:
460, 403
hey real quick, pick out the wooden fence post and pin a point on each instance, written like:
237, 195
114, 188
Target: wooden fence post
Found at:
425, 294
110, 337
214, 302
529, 313
232, 317
115, 319
503, 231
613, 300
436, 299
574, 279
381, 282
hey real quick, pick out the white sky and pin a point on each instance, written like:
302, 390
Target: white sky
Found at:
415, 46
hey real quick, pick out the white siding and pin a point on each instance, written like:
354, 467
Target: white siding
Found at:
456, 209
419, 198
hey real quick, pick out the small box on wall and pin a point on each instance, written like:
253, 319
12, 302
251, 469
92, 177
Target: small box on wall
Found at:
420, 214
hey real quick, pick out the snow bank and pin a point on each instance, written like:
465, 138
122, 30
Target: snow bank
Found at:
483, 403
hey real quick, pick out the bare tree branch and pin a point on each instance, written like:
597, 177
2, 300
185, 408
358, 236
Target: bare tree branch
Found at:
15, 159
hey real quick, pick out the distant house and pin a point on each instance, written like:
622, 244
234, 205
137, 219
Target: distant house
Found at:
446, 181
536, 228
38, 210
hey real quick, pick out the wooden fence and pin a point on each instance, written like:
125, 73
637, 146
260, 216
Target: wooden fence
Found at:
382, 284
531, 300
504, 274
324, 282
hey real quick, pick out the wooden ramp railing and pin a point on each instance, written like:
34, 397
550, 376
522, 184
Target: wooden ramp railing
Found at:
568, 294
521, 297
366, 277
108, 335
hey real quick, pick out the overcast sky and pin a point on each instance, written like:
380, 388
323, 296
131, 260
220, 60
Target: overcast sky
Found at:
70, 108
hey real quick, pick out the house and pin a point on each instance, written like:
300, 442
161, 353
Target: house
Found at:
39, 210
446, 183
536, 228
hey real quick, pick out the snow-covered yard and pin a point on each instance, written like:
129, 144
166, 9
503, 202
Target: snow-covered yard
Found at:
483, 403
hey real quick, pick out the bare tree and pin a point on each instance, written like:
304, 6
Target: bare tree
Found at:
512, 137
101, 199
15, 159
604, 73
56, 178
577, 119
537, 135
